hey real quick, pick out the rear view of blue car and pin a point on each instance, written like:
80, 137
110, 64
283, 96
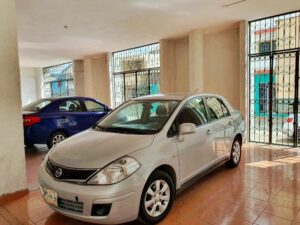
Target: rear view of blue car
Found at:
50, 121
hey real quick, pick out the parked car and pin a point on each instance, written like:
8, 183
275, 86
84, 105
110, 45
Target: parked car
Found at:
133, 162
51, 120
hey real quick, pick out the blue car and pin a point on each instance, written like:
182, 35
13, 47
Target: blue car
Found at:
51, 120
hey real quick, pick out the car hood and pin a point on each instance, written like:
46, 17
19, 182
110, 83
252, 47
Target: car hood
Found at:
95, 149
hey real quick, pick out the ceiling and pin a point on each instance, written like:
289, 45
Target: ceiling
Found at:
97, 26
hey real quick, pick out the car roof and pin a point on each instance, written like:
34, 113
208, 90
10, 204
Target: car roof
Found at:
66, 98
174, 96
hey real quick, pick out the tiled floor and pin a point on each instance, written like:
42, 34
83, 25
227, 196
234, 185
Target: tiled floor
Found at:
263, 190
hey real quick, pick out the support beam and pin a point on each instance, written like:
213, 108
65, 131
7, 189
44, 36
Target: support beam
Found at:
12, 154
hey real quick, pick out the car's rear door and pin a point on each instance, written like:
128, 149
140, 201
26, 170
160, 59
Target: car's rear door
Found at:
71, 116
196, 150
221, 125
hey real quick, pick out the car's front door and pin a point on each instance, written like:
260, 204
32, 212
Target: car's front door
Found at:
195, 150
94, 111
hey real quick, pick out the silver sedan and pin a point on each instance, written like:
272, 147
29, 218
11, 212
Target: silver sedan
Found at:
132, 163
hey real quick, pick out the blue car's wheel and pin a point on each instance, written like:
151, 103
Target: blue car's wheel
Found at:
55, 138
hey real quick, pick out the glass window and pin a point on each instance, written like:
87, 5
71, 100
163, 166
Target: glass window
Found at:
136, 72
193, 112
92, 106
37, 105
70, 106
145, 116
216, 108
58, 80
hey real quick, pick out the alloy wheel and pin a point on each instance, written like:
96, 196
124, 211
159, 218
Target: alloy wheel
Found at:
58, 138
157, 198
236, 152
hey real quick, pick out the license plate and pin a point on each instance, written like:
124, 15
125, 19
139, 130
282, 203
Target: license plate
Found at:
50, 196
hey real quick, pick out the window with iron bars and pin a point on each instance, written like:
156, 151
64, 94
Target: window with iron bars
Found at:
136, 72
58, 80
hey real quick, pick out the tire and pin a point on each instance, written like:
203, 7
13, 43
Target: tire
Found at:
236, 153
55, 138
152, 214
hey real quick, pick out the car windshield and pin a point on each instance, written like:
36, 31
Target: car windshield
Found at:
37, 105
138, 117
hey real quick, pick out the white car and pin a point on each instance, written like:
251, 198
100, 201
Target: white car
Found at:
133, 162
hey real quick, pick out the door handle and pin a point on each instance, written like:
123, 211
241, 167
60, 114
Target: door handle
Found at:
208, 132
230, 123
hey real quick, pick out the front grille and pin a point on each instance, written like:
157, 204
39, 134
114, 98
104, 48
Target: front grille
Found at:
70, 206
69, 174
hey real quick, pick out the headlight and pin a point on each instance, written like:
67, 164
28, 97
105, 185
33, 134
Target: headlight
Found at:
116, 171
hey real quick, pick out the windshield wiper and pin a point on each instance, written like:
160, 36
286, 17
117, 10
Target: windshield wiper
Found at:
122, 130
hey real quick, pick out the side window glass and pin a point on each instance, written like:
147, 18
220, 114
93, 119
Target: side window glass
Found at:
92, 106
193, 112
214, 108
70, 106
224, 108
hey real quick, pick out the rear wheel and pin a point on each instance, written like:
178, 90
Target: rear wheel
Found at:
55, 138
157, 198
235, 155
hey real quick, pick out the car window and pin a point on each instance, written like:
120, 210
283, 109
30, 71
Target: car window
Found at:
70, 106
193, 112
92, 106
139, 116
37, 105
216, 108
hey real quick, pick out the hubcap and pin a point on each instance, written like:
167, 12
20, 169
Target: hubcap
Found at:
157, 198
58, 138
236, 152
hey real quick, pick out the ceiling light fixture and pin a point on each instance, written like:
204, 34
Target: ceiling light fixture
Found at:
234, 3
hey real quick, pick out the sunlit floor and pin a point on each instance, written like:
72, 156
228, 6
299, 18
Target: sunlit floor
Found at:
264, 189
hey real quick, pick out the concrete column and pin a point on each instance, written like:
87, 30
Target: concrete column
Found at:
96, 78
78, 73
12, 154
196, 60
243, 33
167, 76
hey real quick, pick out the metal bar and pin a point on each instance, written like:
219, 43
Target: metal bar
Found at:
124, 86
295, 50
277, 15
296, 101
271, 99
136, 84
149, 83
134, 71
135, 47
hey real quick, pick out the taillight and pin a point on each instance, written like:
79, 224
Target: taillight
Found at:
30, 120
289, 120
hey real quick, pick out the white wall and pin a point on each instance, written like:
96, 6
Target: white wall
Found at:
12, 154
30, 84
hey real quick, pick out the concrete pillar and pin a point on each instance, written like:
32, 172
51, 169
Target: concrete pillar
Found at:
12, 154
196, 60
78, 73
96, 78
167, 76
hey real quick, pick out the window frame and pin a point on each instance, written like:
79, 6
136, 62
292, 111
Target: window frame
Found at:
177, 127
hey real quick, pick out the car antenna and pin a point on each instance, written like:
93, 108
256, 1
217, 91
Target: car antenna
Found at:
197, 90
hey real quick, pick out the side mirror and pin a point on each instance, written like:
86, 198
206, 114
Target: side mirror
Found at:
186, 128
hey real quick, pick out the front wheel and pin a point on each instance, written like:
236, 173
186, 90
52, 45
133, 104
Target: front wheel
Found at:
157, 198
55, 138
235, 155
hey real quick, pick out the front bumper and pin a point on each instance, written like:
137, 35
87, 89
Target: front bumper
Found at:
124, 198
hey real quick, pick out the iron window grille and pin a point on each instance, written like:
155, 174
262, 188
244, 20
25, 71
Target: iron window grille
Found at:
274, 46
58, 80
136, 72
